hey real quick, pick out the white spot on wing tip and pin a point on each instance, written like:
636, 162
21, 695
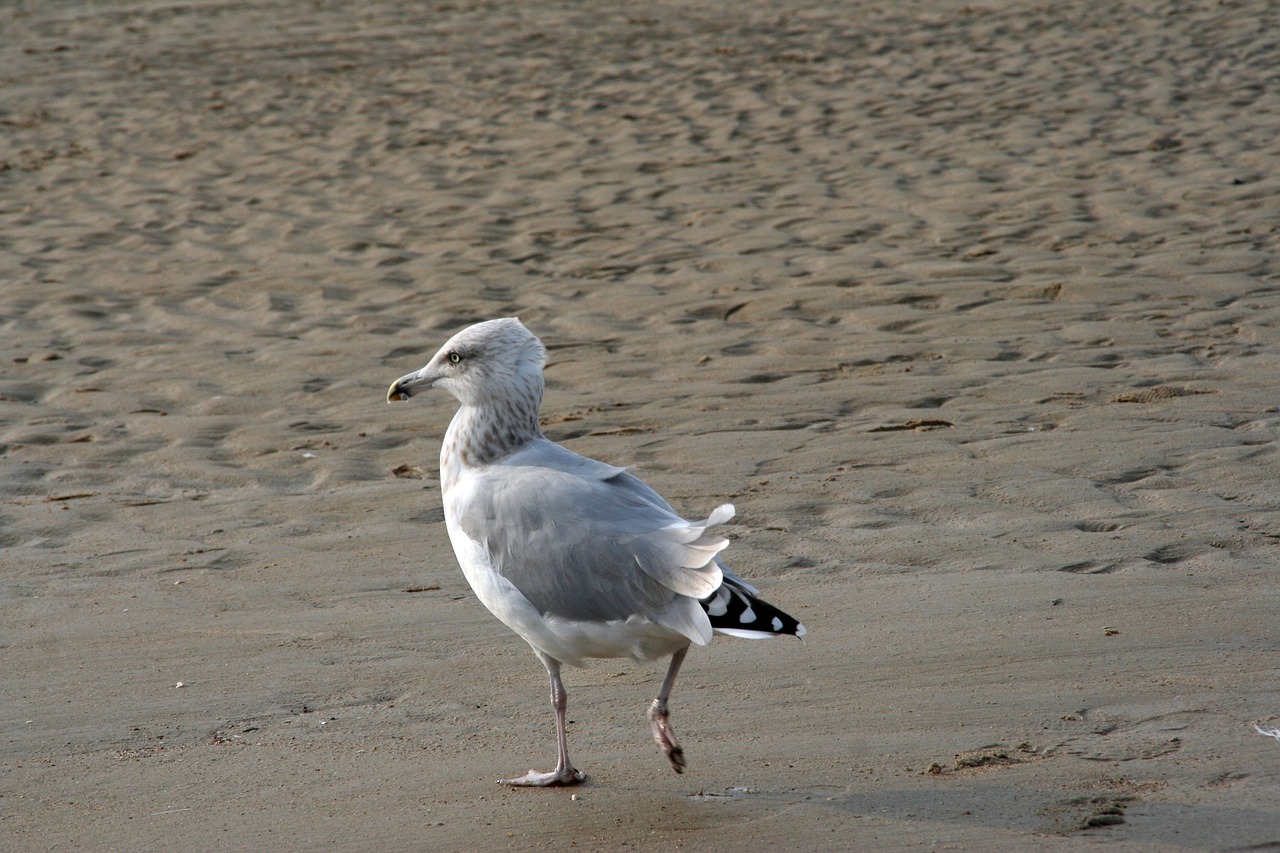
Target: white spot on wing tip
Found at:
777, 624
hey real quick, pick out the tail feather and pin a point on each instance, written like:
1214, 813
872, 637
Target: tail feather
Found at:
735, 611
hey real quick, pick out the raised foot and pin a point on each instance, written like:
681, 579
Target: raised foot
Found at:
665, 737
555, 778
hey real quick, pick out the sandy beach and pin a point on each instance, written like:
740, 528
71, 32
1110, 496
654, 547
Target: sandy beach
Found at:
970, 308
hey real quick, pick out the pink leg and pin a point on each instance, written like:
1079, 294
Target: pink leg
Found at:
663, 735
564, 774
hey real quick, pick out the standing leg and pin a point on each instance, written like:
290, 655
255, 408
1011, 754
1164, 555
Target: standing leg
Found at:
564, 774
658, 714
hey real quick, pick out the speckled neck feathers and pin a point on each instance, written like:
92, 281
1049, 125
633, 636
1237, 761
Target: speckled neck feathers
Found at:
481, 435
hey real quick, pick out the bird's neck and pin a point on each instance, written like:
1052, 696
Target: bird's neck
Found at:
480, 435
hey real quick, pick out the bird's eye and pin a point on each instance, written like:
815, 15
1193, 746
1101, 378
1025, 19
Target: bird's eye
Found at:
454, 357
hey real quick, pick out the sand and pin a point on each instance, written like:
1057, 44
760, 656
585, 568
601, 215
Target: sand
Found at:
970, 308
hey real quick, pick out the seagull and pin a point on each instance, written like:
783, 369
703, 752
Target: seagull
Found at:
578, 557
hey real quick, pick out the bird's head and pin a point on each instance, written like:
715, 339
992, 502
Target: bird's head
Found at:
497, 361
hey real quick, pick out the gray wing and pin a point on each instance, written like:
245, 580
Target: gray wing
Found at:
585, 540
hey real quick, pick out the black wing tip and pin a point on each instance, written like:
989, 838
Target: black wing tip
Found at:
735, 611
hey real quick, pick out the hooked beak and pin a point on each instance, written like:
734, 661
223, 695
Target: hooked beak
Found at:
409, 384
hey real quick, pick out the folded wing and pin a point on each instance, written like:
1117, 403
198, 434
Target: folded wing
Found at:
587, 541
